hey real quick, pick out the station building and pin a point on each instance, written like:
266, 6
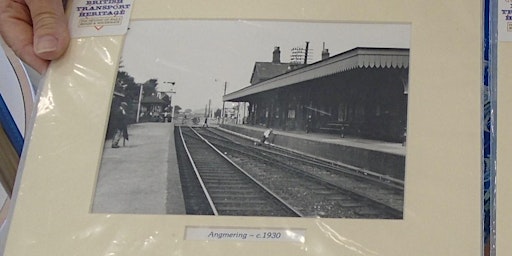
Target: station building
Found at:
360, 93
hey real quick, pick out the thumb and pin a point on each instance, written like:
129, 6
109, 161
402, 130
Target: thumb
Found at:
51, 36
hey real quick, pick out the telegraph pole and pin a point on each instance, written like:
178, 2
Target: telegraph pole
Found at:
306, 53
209, 108
138, 105
223, 103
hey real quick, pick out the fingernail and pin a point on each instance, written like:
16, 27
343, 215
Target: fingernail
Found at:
46, 44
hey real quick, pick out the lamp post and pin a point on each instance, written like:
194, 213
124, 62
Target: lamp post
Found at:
223, 103
170, 93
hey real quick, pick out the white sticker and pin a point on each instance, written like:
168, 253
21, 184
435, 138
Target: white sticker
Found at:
246, 234
100, 17
505, 20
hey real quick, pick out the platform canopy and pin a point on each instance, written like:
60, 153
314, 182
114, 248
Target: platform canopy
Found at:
349, 60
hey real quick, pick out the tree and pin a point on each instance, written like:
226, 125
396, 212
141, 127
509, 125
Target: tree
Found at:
177, 109
150, 87
126, 85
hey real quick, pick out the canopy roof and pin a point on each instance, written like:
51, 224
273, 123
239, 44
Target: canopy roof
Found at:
352, 59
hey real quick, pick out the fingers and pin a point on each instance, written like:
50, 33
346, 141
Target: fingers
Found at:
51, 36
36, 30
16, 30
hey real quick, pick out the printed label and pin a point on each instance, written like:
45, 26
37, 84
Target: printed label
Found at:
100, 17
245, 234
505, 20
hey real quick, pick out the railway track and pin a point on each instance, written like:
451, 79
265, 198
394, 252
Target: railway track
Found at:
227, 188
299, 156
380, 190
331, 192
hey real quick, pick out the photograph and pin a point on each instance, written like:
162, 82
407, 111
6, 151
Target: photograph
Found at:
267, 118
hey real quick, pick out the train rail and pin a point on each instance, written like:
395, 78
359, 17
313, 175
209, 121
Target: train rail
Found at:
228, 189
309, 187
382, 192
300, 156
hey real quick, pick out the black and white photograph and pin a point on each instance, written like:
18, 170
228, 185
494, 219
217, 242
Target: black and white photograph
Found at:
258, 118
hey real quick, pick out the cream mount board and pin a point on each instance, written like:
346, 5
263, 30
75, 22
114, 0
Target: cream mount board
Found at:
442, 208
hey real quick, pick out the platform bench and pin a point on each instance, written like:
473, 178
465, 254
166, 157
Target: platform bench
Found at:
337, 127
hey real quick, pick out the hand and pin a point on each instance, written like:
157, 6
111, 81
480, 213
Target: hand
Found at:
36, 30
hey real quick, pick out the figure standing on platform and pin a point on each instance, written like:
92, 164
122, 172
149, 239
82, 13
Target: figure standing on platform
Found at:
205, 122
309, 123
120, 124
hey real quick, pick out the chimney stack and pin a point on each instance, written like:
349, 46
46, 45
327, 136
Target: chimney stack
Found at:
276, 55
325, 53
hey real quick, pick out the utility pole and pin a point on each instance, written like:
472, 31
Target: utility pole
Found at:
223, 103
243, 117
306, 53
237, 112
138, 105
209, 108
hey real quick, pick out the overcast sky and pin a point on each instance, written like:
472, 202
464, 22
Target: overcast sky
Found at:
199, 56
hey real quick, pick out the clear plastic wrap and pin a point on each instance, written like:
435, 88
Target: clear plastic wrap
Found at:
489, 127
62, 206
501, 225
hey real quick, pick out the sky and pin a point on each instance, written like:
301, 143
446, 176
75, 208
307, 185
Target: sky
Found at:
202, 56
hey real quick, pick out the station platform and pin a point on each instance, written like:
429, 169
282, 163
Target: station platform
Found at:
141, 177
382, 158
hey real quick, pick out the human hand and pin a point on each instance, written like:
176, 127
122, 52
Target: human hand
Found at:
36, 30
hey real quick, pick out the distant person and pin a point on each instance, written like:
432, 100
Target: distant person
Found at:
119, 123
266, 136
205, 122
166, 117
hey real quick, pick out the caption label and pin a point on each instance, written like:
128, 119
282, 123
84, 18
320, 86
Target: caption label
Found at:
245, 234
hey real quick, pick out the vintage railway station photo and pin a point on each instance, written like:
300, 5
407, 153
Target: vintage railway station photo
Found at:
258, 118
